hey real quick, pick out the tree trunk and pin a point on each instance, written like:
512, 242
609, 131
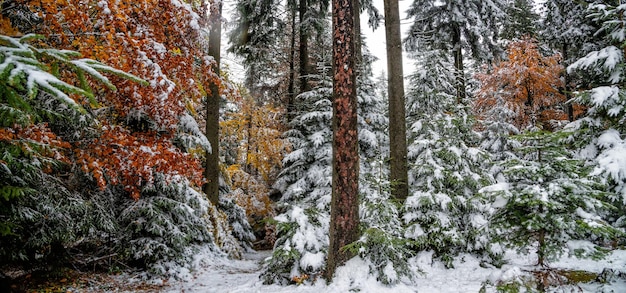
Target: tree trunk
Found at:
459, 72
212, 168
397, 116
358, 41
291, 98
567, 89
344, 210
541, 249
304, 47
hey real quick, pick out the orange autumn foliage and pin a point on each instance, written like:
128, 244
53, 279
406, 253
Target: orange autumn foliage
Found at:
159, 41
152, 39
527, 83
37, 141
252, 138
257, 133
132, 160
250, 194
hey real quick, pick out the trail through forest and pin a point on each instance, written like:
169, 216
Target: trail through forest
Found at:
222, 275
225, 275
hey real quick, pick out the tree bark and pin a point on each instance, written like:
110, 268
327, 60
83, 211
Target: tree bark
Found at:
304, 47
344, 210
212, 168
457, 51
566, 88
358, 41
291, 98
397, 116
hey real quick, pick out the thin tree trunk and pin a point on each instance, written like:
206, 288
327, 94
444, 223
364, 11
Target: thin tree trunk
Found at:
459, 73
541, 249
567, 89
248, 166
291, 98
397, 116
344, 210
212, 168
304, 47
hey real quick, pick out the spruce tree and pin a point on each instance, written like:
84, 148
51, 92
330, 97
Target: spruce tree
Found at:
566, 28
601, 134
443, 213
257, 36
455, 26
397, 102
302, 225
550, 202
521, 21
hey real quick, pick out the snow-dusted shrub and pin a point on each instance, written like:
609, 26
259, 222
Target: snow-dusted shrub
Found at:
601, 135
305, 182
163, 225
549, 200
237, 224
48, 220
300, 250
444, 213
382, 243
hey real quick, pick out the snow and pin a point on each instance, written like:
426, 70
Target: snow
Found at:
105, 6
612, 158
313, 260
503, 186
218, 274
590, 219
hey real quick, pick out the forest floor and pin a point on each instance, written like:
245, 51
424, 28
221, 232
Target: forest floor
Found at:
242, 276
222, 275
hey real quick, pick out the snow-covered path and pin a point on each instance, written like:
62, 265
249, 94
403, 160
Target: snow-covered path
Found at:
221, 275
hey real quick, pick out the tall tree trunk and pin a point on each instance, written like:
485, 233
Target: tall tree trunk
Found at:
304, 47
358, 41
567, 89
459, 70
212, 168
344, 207
291, 90
395, 89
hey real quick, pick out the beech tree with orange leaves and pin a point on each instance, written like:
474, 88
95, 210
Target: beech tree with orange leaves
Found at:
123, 173
527, 83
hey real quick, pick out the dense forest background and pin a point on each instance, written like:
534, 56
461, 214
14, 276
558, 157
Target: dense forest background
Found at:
125, 143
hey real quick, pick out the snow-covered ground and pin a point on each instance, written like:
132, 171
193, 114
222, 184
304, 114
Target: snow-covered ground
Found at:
232, 276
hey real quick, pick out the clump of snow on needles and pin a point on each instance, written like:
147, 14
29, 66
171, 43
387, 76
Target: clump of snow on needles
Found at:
355, 276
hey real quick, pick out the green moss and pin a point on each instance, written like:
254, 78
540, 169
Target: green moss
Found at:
578, 276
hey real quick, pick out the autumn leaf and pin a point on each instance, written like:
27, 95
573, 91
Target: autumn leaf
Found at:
527, 83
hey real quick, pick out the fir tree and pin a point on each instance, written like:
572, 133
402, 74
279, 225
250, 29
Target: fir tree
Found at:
567, 30
302, 226
257, 27
549, 202
453, 26
601, 134
521, 21
443, 213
